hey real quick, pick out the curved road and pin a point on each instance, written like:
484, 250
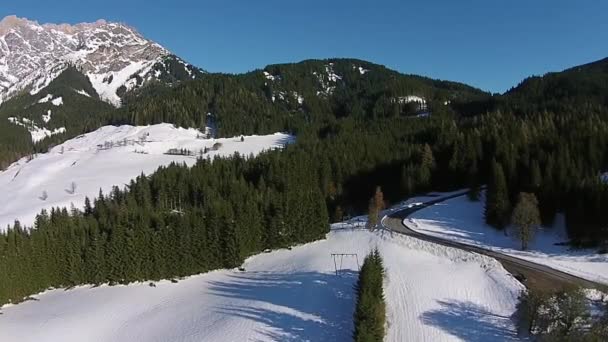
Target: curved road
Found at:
529, 273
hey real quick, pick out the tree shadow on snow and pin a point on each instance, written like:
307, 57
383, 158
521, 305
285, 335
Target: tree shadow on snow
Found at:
471, 322
307, 306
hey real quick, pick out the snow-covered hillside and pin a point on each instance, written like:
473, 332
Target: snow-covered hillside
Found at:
112, 55
37, 133
462, 220
433, 293
106, 157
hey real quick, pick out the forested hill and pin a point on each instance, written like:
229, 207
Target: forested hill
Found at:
69, 102
583, 86
283, 97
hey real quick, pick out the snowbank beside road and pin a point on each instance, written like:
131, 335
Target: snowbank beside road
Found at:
462, 220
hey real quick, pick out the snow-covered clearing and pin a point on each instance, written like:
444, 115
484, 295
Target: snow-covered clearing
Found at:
433, 293
82, 92
46, 99
37, 133
58, 101
107, 84
106, 157
47, 117
462, 220
49, 97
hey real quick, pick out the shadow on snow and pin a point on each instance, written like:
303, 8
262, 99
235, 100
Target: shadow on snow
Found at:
306, 306
470, 322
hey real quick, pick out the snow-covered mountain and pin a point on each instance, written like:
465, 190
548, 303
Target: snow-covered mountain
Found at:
114, 56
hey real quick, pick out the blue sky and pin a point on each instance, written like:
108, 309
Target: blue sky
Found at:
491, 44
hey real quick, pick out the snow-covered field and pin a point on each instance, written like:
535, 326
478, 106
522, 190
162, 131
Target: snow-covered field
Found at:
433, 293
462, 220
106, 157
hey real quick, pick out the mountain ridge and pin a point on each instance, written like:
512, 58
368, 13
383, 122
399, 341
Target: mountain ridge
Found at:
112, 55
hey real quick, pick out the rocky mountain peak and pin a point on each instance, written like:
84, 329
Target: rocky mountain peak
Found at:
113, 55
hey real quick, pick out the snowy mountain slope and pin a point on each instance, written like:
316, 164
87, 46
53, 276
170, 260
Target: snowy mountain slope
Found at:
462, 220
114, 56
106, 157
433, 293
65, 107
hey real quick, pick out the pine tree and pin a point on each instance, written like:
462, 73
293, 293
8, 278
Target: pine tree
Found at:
535, 175
498, 207
370, 310
427, 165
376, 205
473, 182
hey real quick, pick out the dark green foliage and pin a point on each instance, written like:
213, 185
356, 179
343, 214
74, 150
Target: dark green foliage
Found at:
579, 87
562, 316
78, 114
250, 103
178, 222
370, 312
498, 207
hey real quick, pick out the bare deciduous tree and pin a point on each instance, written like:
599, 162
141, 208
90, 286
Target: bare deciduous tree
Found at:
72, 188
526, 218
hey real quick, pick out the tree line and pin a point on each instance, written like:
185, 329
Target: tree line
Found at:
342, 162
343, 151
370, 310
178, 222
566, 315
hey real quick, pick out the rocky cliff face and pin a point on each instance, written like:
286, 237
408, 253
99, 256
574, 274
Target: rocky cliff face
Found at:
114, 56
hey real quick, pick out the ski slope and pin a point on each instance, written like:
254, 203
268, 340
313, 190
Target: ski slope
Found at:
461, 220
106, 157
433, 293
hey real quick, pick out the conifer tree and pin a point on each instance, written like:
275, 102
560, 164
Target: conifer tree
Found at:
497, 209
376, 205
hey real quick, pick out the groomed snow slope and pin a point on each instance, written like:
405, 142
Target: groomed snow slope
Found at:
433, 293
461, 220
106, 157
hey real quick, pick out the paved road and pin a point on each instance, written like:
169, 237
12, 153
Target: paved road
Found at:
529, 273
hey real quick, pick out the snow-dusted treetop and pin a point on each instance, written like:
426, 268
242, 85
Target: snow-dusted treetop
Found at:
33, 54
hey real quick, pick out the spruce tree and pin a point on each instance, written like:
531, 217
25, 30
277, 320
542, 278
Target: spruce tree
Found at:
376, 205
497, 209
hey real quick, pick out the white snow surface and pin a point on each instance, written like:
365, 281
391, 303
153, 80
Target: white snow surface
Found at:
86, 161
82, 92
433, 293
410, 99
49, 97
269, 76
106, 84
47, 117
37, 133
46, 99
58, 101
462, 220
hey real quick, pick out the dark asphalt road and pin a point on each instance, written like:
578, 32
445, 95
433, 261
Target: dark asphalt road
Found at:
529, 273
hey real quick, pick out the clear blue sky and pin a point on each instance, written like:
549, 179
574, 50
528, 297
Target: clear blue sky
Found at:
491, 44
